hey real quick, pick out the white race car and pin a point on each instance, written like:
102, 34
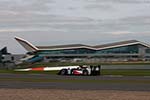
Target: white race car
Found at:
81, 70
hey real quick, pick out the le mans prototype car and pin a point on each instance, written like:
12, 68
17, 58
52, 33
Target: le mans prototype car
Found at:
81, 70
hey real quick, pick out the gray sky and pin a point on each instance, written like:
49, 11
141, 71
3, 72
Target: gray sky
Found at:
55, 22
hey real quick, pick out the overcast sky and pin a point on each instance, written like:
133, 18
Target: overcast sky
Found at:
55, 22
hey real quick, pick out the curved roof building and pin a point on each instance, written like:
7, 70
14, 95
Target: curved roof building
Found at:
128, 49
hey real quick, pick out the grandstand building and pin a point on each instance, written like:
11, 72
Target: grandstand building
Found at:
120, 51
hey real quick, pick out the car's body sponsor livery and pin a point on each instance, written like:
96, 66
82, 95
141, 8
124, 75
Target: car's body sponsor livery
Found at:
81, 70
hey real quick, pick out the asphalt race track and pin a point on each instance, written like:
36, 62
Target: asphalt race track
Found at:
89, 85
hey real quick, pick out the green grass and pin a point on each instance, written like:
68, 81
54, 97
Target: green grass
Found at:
104, 71
131, 72
40, 64
75, 81
126, 72
29, 72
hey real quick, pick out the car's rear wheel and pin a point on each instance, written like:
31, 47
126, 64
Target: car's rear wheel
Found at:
85, 72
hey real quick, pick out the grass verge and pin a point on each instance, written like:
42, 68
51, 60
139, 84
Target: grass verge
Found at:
75, 81
52, 64
125, 72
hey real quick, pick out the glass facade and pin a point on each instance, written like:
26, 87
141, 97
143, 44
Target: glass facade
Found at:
69, 51
147, 51
131, 49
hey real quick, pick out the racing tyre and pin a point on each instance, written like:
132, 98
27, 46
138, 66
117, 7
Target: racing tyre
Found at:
63, 72
85, 72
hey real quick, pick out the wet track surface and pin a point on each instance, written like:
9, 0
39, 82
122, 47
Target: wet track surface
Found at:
74, 85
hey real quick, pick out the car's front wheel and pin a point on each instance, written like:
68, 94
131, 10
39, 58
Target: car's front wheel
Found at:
63, 72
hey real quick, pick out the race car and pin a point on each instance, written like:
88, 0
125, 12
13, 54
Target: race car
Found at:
81, 70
